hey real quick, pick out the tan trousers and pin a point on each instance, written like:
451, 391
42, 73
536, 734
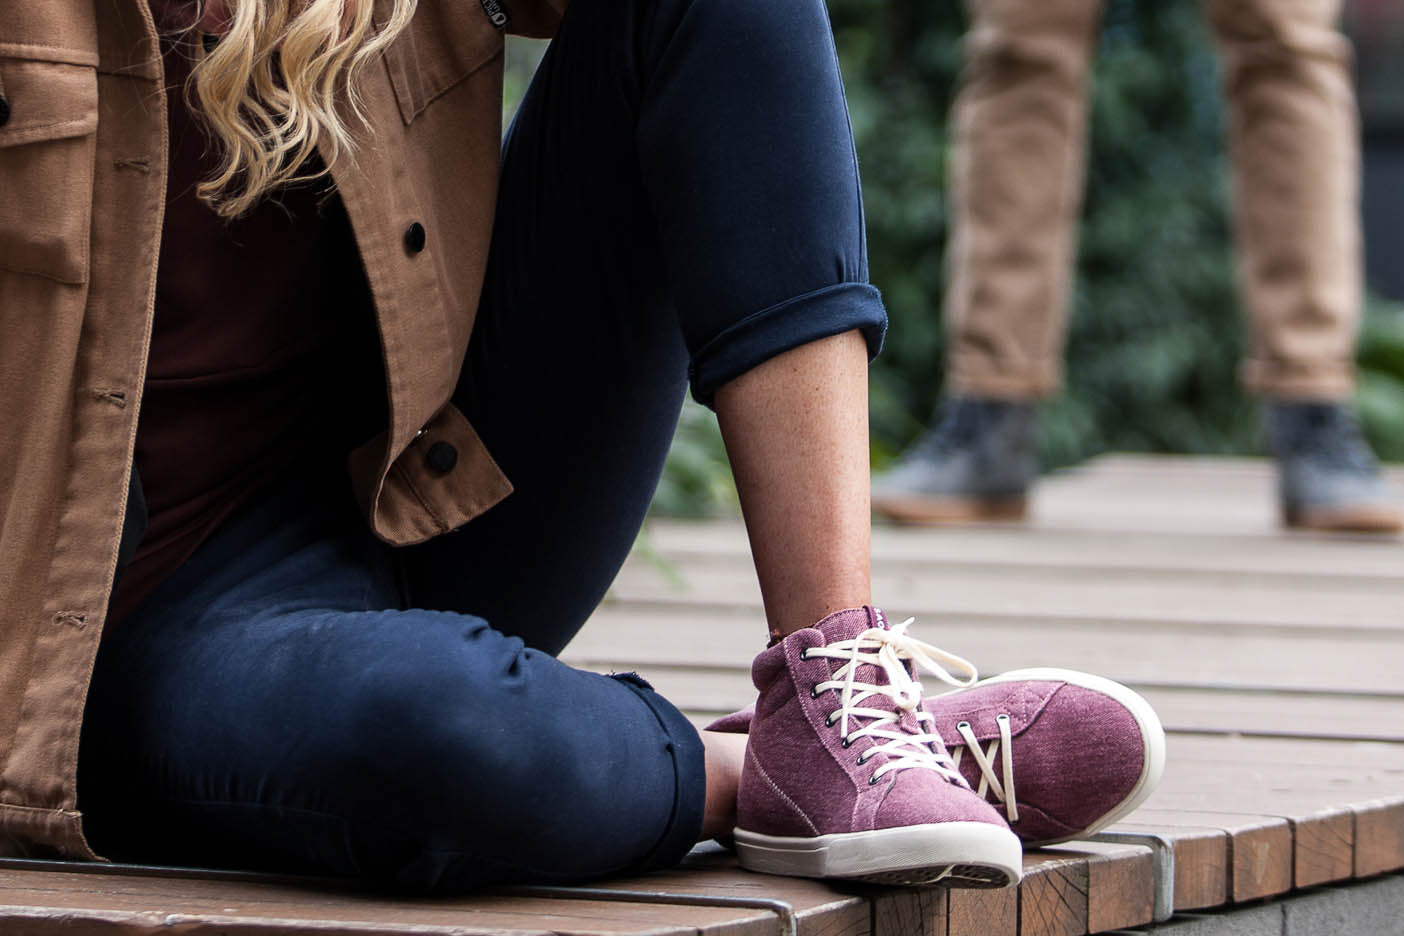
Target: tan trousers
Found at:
1020, 128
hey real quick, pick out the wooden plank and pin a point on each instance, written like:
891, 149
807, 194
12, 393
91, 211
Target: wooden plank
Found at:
1202, 861
1020, 550
1324, 847
1220, 470
1258, 860
710, 870
708, 692
103, 898
1317, 784
1053, 897
1342, 608
1323, 827
1379, 836
53, 902
971, 912
1120, 883
1335, 843
1162, 494
1301, 715
913, 911
1289, 753
660, 635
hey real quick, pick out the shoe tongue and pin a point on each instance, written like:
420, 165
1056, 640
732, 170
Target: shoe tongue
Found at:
847, 625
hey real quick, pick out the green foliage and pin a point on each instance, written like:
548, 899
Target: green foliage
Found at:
696, 478
1380, 396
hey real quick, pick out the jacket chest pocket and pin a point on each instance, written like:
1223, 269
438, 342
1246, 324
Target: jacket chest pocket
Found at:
48, 142
444, 43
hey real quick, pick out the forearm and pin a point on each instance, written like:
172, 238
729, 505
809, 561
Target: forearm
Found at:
796, 432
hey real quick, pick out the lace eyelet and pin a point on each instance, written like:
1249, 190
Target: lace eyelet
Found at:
862, 758
814, 693
872, 781
804, 654
829, 721
964, 724
844, 743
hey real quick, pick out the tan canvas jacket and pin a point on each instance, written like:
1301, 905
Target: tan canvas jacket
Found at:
82, 192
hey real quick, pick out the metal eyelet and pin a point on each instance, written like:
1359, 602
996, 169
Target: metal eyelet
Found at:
872, 781
862, 758
964, 724
804, 654
814, 693
829, 720
844, 742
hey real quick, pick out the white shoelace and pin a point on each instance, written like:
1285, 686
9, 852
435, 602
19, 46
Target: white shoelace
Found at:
890, 650
989, 780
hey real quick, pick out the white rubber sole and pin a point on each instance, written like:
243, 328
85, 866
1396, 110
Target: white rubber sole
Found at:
959, 854
1152, 734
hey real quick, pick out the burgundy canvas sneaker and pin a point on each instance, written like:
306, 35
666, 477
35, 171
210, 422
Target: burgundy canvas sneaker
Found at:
1063, 753
845, 776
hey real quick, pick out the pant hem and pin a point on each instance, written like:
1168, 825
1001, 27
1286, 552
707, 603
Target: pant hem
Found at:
1333, 384
1033, 383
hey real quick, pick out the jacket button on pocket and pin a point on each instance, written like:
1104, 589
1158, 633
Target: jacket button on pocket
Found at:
414, 238
4, 112
441, 457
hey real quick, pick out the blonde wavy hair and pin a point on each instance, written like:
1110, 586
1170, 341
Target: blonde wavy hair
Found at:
279, 83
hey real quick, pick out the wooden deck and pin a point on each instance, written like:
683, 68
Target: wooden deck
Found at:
1274, 659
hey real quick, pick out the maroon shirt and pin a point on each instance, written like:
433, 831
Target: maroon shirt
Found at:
264, 356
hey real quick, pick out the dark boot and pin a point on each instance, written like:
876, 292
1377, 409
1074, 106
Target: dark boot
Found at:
978, 464
1328, 479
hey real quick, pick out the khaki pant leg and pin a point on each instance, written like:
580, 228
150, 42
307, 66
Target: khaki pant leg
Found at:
1016, 185
1294, 139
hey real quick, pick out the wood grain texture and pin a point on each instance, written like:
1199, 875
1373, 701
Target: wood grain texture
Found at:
983, 912
1260, 850
1379, 836
44, 902
1202, 862
1324, 848
910, 912
1120, 883
1053, 894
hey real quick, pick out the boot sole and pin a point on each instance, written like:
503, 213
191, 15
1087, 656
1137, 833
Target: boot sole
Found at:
958, 854
929, 511
1152, 738
1344, 520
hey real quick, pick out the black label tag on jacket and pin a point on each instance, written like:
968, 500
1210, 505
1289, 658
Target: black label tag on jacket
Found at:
496, 12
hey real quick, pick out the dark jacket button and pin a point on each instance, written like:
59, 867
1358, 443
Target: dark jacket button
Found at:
414, 237
4, 112
441, 457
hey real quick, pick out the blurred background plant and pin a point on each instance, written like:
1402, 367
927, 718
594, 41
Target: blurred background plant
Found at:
1156, 331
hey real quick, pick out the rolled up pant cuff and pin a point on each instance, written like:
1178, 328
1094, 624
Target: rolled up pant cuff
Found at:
975, 377
762, 335
1329, 383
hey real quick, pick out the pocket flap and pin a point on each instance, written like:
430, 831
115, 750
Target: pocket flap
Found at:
46, 101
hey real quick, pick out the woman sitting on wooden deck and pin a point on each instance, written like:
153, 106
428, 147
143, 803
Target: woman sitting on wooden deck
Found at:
249, 244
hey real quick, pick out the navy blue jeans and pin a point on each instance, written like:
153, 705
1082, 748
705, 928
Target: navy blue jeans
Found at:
679, 202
